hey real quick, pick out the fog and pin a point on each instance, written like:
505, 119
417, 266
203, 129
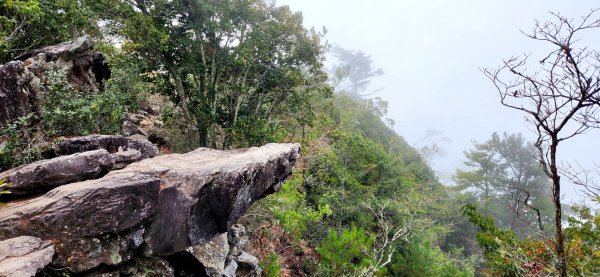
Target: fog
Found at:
431, 53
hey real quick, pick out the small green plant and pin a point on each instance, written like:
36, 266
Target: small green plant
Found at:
346, 251
4, 188
271, 266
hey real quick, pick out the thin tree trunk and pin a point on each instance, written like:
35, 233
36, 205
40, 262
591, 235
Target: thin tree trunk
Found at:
184, 105
561, 264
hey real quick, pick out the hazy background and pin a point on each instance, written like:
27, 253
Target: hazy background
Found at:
431, 52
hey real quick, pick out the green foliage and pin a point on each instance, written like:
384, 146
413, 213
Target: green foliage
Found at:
12, 142
4, 186
66, 111
241, 73
505, 254
420, 258
291, 210
582, 241
346, 251
14, 14
30, 24
271, 266
226, 64
253, 130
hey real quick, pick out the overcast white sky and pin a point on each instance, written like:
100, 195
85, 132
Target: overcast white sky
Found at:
431, 52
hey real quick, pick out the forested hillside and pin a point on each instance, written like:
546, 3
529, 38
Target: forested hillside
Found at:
241, 73
363, 199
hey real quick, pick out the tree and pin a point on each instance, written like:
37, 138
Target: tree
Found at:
14, 16
232, 66
508, 179
356, 67
560, 99
30, 24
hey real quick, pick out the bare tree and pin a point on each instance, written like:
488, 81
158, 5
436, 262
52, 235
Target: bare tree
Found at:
388, 234
560, 97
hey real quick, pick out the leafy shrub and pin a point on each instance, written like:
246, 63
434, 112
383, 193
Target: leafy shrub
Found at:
291, 209
69, 112
345, 252
419, 258
254, 131
582, 237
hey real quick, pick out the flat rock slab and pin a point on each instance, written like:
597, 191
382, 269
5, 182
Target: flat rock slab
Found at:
91, 222
24, 256
45, 175
110, 143
204, 192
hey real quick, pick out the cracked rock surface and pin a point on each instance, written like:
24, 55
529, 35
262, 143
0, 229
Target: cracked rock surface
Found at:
24, 256
157, 207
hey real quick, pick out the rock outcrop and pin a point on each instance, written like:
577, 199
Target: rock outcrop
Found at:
85, 158
112, 144
161, 207
45, 175
24, 256
24, 80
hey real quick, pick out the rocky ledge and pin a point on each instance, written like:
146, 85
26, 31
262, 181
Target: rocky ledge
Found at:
23, 81
155, 217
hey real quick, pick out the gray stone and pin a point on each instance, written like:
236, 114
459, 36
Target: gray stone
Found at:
236, 239
110, 143
141, 123
92, 222
244, 262
21, 89
156, 207
45, 175
212, 254
247, 260
15, 102
24, 256
123, 158
80, 45
146, 148
204, 192
230, 269
129, 129
85, 253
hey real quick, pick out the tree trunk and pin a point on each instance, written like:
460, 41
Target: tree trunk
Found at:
561, 264
184, 104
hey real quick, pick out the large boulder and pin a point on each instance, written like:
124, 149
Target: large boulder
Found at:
45, 175
160, 206
91, 222
204, 192
22, 82
24, 256
15, 98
